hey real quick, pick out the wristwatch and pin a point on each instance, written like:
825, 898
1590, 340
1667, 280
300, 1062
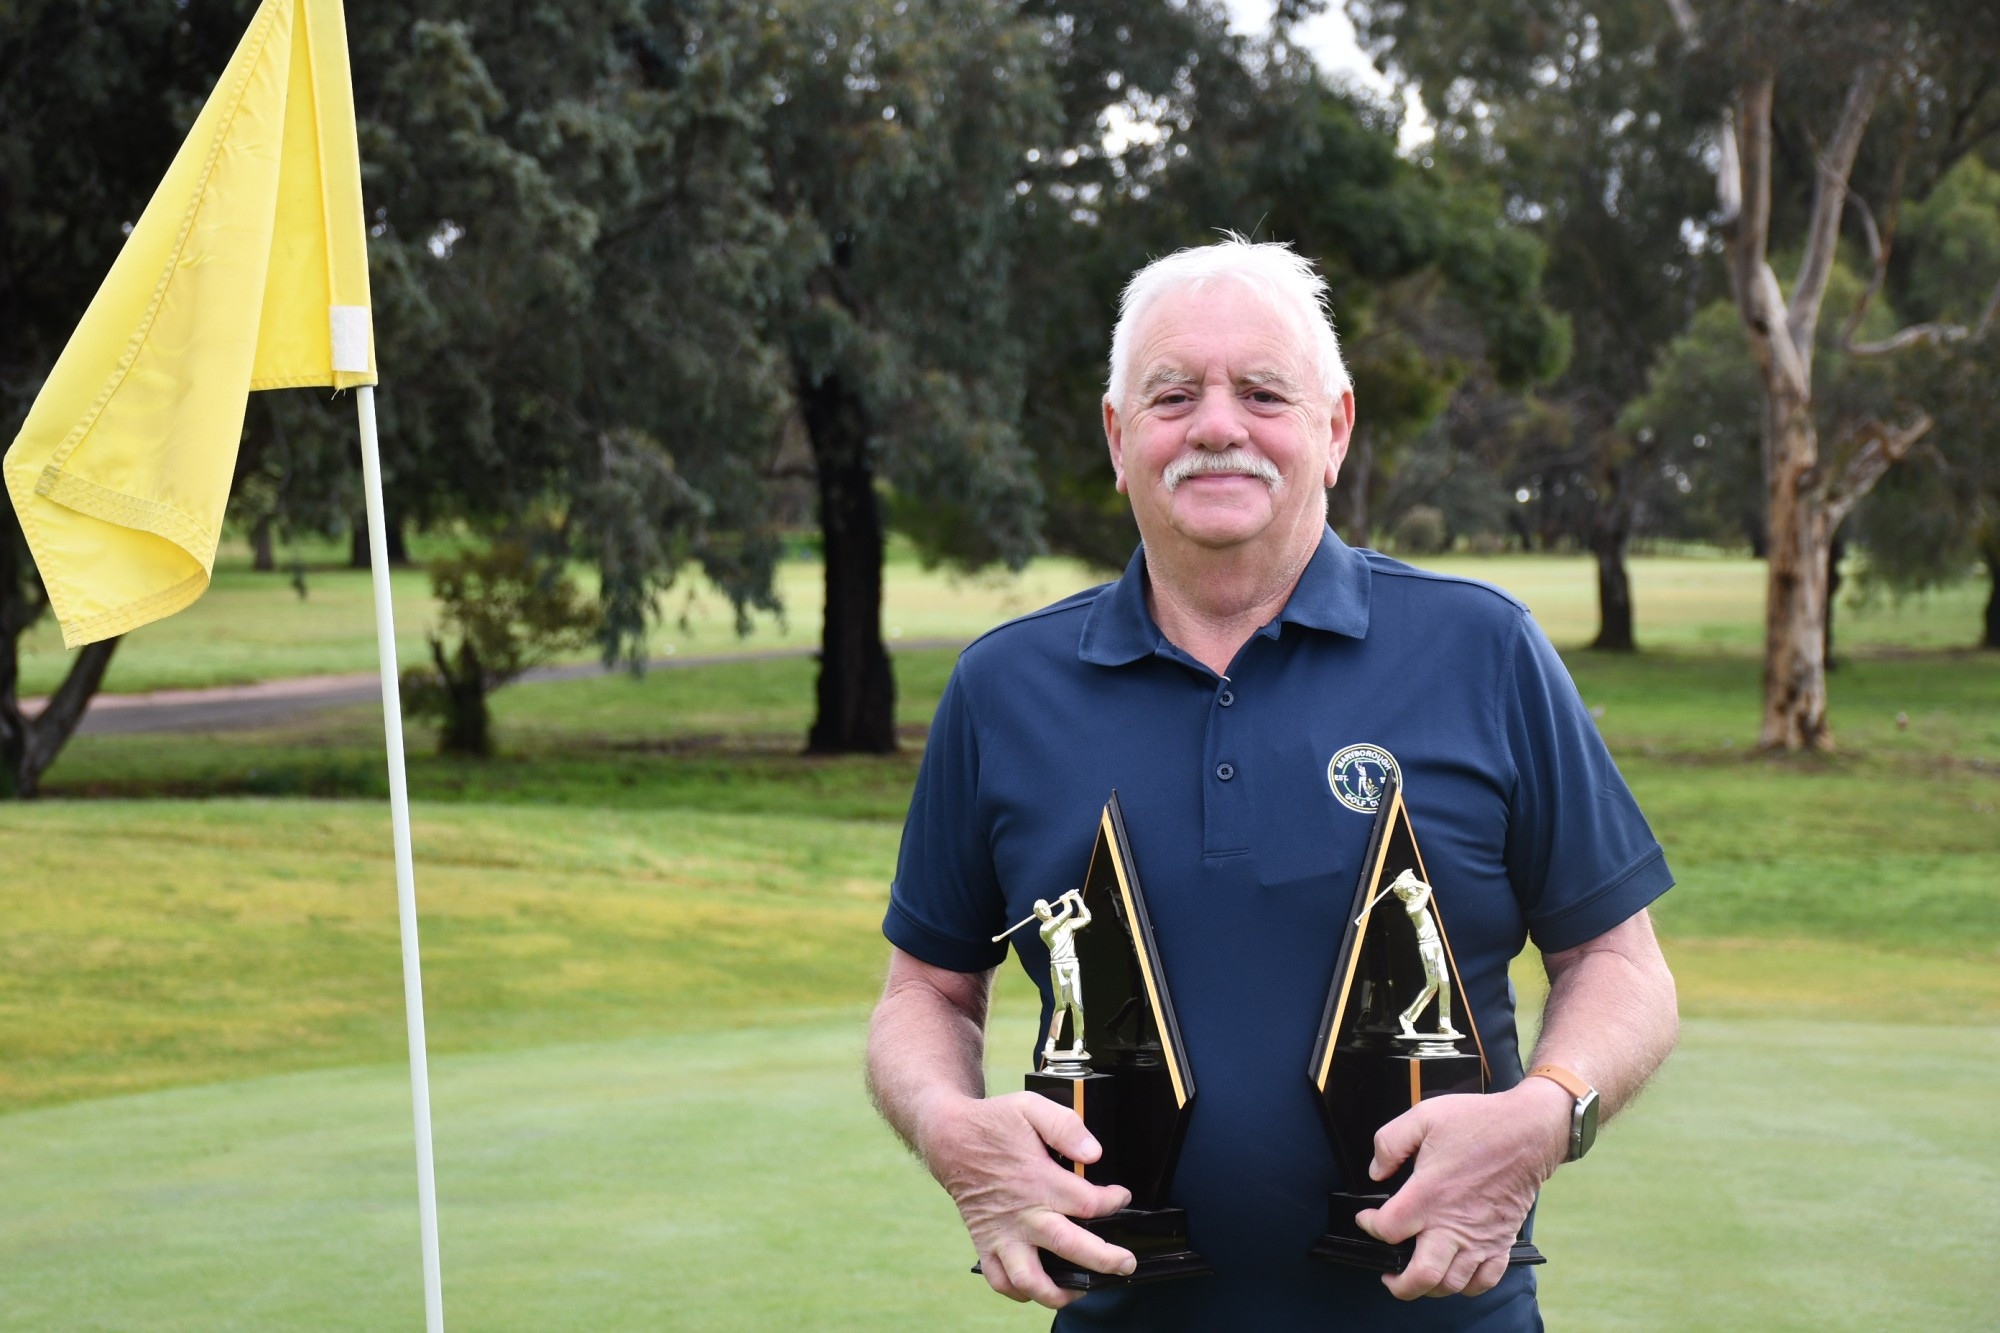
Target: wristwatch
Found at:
1582, 1120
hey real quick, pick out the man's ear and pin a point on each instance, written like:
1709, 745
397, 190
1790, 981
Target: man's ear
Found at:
1341, 430
1114, 439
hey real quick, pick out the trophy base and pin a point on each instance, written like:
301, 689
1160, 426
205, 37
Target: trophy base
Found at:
1157, 1238
1346, 1243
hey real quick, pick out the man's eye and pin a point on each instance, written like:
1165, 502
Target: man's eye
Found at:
1174, 397
1264, 396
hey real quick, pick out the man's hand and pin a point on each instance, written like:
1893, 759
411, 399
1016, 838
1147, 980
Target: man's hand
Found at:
989, 1154
1479, 1161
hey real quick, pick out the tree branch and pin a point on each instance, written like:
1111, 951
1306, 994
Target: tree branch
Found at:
1879, 446
1833, 168
1935, 332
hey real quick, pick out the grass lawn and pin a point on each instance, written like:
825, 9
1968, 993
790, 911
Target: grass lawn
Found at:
650, 936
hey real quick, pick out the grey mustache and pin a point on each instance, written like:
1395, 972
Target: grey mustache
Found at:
1204, 463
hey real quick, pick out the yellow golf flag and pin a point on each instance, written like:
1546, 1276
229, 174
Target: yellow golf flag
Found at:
248, 270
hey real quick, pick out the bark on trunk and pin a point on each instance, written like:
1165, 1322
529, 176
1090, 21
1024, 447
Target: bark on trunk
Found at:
857, 689
1614, 595
263, 558
28, 746
1836, 549
1991, 551
1795, 596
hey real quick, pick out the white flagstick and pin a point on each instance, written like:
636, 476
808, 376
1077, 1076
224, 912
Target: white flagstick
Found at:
406, 880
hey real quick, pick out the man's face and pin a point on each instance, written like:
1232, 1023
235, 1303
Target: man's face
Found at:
1225, 437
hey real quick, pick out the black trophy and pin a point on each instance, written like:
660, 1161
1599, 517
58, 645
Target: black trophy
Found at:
1114, 1056
1396, 1030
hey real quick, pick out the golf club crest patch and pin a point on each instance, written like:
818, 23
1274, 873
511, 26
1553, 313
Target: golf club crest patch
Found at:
1356, 776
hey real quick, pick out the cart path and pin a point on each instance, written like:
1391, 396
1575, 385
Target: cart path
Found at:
241, 707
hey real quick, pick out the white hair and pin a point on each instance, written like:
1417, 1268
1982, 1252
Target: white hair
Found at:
1287, 281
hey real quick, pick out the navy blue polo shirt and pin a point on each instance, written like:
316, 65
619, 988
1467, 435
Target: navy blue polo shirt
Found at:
1247, 800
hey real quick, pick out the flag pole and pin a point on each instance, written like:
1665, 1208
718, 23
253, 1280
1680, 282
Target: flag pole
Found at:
406, 880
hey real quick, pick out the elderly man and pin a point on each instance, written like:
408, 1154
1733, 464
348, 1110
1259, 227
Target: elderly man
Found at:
1243, 686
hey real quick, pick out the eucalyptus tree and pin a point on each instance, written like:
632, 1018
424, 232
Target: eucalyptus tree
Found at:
1797, 89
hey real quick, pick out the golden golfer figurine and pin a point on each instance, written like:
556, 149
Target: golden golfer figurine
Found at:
1416, 899
1065, 977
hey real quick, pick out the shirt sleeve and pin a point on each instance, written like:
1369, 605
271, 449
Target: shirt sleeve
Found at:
945, 904
1579, 853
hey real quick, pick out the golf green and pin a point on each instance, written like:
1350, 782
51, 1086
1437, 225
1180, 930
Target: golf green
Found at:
1780, 1175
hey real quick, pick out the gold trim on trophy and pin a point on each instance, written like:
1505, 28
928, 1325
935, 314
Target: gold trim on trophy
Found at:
1110, 839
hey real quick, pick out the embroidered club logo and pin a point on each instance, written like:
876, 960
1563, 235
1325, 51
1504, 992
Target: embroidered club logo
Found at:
1357, 775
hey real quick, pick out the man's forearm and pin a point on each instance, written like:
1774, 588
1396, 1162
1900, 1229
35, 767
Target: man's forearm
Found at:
1612, 1014
926, 1038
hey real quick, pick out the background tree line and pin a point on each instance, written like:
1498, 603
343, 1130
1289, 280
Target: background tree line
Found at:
658, 282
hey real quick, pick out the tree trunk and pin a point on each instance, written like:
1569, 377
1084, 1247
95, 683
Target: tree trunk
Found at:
399, 551
29, 745
1836, 549
1795, 589
1356, 470
1991, 550
262, 558
468, 723
857, 689
1614, 593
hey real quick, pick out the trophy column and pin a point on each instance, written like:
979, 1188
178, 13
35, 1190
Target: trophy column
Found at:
1113, 1055
1390, 1036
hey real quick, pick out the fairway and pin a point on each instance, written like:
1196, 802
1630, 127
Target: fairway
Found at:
651, 935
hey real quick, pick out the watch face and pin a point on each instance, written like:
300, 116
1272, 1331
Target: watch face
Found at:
1583, 1125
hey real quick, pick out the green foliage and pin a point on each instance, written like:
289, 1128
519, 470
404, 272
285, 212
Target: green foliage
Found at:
509, 609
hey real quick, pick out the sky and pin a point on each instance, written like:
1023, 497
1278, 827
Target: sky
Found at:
1329, 35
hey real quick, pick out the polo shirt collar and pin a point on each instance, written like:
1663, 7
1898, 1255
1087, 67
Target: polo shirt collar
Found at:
1332, 595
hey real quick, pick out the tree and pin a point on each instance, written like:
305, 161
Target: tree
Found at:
95, 100
891, 148
1840, 64
1938, 513
1573, 107
510, 608
1428, 287
567, 256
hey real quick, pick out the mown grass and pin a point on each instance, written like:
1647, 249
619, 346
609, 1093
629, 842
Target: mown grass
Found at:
252, 626
650, 936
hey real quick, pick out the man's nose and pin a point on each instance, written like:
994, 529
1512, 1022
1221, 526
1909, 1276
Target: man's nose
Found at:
1217, 421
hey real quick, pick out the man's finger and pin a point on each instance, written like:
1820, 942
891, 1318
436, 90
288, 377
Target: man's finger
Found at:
1463, 1265
1059, 1235
1397, 1220
1060, 1128
1077, 1197
1395, 1142
1426, 1269
1488, 1277
1022, 1277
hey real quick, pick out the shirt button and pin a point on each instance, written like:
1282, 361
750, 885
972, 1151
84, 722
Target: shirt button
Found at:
1225, 771
1226, 699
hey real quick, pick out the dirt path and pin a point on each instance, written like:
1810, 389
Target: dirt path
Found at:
239, 707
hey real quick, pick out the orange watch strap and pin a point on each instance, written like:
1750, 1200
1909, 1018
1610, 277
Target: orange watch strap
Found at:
1569, 1082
